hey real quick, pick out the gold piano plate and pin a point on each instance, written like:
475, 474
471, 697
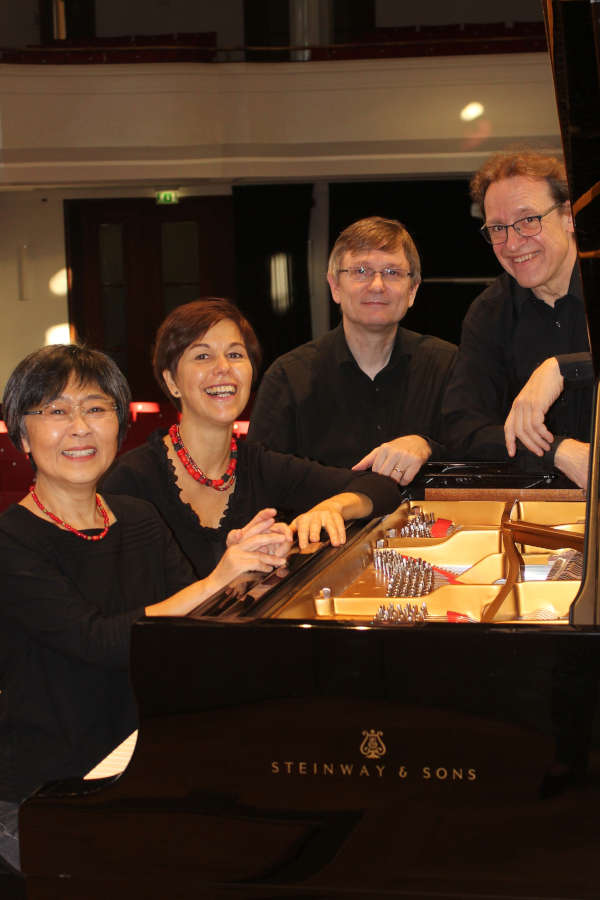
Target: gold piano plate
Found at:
553, 512
481, 569
466, 600
537, 602
468, 513
461, 548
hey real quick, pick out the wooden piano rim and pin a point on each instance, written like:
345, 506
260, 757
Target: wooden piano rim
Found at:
505, 494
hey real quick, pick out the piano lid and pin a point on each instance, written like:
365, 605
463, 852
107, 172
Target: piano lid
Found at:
573, 28
573, 31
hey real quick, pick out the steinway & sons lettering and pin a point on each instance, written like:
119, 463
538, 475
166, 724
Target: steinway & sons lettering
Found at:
372, 770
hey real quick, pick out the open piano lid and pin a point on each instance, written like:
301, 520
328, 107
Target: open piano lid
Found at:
573, 32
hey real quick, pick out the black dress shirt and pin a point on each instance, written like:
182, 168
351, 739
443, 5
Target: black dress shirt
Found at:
507, 333
315, 401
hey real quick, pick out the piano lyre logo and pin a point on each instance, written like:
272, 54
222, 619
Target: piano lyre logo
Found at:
372, 746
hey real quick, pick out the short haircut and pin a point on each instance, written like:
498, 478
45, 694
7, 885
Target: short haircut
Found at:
189, 322
375, 233
527, 163
43, 375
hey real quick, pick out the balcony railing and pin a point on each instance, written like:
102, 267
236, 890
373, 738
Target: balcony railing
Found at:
380, 43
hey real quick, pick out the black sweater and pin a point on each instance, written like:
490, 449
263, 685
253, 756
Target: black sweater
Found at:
66, 610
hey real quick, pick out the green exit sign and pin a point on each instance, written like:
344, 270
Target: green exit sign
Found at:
166, 198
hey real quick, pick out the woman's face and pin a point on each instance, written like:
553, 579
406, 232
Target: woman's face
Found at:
75, 439
214, 375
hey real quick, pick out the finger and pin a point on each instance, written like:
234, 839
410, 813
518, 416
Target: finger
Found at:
542, 432
282, 550
234, 537
336, 530
509, 435
283, 528
266, 558
268, 512
259, 524
261, 559
397, 473
316, 523
531, 440
530, 434
519, 426
535, 443
395, 466
253, 541
382, 463
409, 473
263, 515
300, 526
365, 463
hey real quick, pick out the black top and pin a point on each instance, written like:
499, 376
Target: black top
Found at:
263, 479
66, 612
506, 334
315, 401
577, 369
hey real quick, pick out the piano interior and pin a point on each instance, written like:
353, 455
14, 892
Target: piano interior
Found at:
455, 561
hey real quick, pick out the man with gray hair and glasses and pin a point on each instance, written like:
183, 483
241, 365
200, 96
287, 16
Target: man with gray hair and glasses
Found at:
368, 393
522, 384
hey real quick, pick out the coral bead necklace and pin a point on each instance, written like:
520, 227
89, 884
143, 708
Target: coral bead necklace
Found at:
63, 524
218, 484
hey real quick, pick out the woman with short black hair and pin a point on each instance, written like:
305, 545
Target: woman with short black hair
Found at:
78, 568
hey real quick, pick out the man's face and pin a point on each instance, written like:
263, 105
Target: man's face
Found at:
543, 262
378, 303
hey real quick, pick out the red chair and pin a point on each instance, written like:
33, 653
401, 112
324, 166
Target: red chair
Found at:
16, 472
146, 416
240, 428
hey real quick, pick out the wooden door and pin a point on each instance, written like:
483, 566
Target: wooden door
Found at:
131, 262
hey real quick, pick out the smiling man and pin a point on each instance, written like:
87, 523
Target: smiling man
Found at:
367, 394
522, 381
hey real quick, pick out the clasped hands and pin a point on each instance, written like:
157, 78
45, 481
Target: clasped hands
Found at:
263, 544
526, 423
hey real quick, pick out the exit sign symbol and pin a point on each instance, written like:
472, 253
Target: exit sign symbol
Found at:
167, 198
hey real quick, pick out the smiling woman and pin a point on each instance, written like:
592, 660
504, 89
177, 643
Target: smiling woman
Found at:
78, 569
207, 487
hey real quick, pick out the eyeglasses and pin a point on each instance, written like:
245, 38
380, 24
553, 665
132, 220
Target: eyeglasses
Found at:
364, 274
526, 227
93, 410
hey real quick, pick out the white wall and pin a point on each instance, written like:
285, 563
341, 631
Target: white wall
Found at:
31, 218
113, 124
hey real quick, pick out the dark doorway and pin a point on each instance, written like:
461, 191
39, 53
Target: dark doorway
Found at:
133, 261
272, 245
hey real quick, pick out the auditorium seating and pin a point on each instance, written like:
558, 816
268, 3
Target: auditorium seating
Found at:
16, 472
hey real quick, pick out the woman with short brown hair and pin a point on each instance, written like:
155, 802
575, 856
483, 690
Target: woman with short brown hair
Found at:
207, 486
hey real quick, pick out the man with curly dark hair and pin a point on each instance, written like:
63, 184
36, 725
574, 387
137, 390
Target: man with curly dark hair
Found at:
522, 382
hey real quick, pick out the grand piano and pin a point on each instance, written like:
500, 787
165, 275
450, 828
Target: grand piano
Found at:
414, 715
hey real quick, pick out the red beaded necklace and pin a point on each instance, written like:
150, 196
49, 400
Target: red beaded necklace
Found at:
219, 484
86, 537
